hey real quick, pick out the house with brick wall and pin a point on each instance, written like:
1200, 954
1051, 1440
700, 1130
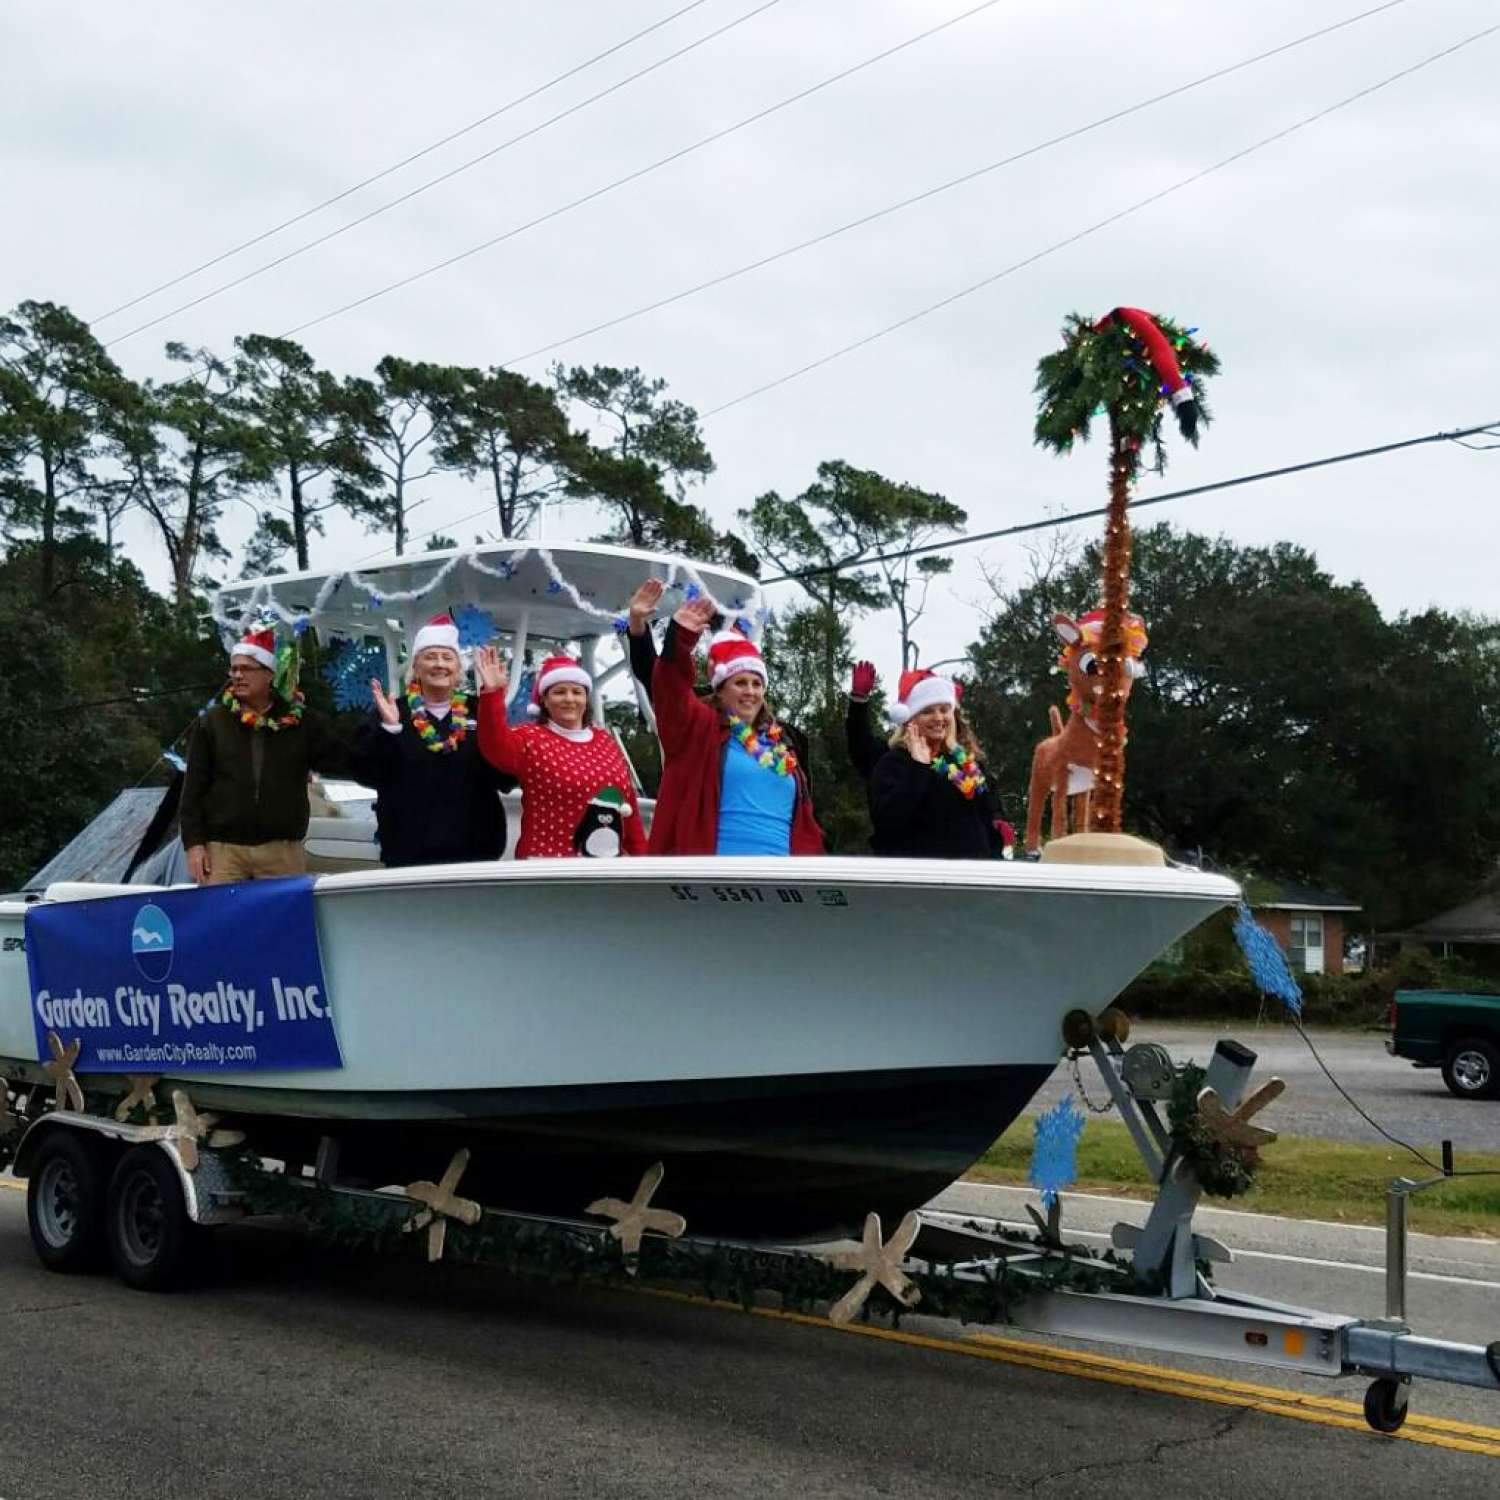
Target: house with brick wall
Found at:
1309, 924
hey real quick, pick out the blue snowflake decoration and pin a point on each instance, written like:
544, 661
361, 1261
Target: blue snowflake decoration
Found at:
691, 592
554, 587
350, 669
1054, 1158
376, 600
300, 624
476, 627
1268, 970
621, 624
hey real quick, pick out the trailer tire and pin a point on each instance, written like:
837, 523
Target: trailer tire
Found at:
1386, 1404
65, 1201
153, 1243
1471, 1068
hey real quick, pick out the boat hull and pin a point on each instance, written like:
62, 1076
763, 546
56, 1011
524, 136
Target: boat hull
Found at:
799, 1041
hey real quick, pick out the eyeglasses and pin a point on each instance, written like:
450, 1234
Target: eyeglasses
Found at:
238, 670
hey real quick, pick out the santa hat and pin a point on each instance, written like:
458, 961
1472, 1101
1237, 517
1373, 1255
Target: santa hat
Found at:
730, 653
1174, 385
921, 689
438, 631
259, 646
556, 670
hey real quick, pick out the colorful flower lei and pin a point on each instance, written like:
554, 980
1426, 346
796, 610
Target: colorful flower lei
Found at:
766, 749
959, 767
459, 723
253, 719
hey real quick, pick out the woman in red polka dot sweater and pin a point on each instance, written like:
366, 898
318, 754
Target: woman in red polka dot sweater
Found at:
577, 795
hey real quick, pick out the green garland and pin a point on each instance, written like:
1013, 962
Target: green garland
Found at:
573, 1254
1223, 1170
1101, 370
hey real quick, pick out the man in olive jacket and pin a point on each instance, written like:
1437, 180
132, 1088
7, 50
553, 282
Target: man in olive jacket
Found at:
244, 801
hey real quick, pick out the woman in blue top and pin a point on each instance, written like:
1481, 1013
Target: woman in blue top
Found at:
732, 783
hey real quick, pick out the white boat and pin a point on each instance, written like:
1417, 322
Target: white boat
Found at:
800, 1041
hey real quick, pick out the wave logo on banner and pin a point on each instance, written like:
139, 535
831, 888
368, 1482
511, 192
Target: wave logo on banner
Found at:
151, 943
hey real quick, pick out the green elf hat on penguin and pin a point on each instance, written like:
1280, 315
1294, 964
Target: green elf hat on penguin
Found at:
598, 833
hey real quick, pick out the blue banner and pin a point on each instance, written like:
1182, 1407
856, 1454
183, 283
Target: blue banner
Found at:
225, 978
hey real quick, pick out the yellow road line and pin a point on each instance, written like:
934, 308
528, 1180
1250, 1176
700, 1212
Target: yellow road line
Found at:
1239, 1387
1322, 1411
1275, 1401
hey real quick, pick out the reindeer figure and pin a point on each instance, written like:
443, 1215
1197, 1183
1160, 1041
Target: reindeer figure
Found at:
1063, 764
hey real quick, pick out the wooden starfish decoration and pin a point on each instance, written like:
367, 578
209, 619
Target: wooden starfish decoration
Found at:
60, 1071
142, 1092
633, 1219
442, 1205
880, 1264
1234, 1127
191, 1127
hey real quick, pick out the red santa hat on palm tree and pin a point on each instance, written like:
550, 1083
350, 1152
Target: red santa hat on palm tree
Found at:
554, 671
919, 689
259, 646
729, 654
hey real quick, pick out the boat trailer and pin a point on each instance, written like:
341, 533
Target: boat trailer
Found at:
149, 1191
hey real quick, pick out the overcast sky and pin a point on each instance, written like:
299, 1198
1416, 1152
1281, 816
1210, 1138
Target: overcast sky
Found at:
1345, 274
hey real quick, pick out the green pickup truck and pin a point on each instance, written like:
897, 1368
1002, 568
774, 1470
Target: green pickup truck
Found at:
1455, 1032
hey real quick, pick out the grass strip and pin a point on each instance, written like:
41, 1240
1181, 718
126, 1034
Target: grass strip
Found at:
1301, 1177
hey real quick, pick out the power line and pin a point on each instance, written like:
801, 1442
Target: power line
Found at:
968, 539
952, 182
406, 161
1104, 223
432, 182
635, 176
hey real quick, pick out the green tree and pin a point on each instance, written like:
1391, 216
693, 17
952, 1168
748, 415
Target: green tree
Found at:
652, 451
307, 431
396, 418
190, 455
845, 515
59, 391
514, 432
1283, 727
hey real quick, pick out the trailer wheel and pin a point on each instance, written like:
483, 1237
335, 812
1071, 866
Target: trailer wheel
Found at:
65, 1201
1471, 1068
152, 1241
1386, 1404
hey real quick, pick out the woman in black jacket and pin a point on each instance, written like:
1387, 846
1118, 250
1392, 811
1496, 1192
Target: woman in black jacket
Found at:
930, 796
437, 798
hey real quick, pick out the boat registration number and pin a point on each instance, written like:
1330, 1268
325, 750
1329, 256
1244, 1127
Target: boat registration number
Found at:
764, 895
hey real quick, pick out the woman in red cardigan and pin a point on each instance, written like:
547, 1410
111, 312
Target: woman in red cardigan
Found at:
730, 783
577, 793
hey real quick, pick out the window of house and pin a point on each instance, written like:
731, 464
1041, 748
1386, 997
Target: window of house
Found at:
1306, 949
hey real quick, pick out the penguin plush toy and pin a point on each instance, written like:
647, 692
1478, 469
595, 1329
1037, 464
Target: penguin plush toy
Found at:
598, 833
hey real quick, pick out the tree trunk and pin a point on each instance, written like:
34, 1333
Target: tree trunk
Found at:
1109, 774
299, 517
49, 525
501, 506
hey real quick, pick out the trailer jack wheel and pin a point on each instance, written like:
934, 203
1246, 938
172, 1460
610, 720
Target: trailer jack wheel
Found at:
1386, 1403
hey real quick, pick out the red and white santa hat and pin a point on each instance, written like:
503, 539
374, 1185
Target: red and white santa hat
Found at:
259, 646
438, 631
554, 671
921, 689
730, 653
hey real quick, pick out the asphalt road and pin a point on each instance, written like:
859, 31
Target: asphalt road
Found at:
1410, 1102
291, 1374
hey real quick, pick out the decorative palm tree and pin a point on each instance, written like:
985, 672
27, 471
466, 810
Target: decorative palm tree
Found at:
1127, 366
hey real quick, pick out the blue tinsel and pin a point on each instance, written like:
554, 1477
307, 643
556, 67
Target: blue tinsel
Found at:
1054, 1158
1267, 962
